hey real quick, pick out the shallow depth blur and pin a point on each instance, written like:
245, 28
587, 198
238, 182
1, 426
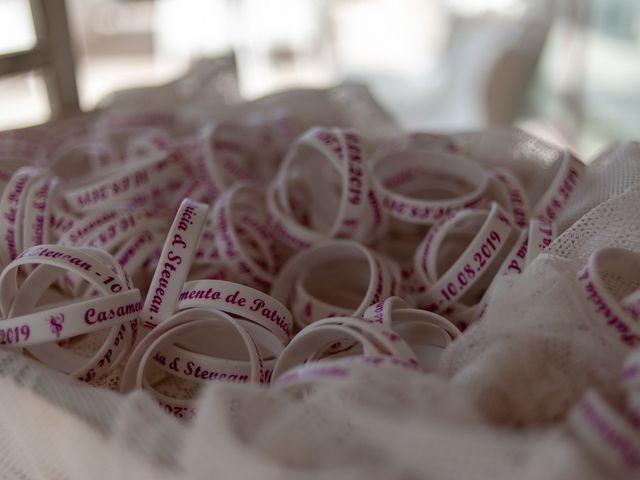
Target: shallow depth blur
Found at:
568, 70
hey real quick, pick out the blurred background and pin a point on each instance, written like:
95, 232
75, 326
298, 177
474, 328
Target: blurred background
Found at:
567, 70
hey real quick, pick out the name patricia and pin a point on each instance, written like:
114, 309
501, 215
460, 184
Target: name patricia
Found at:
256, 305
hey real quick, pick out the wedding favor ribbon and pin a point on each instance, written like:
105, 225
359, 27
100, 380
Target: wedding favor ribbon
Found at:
266, 255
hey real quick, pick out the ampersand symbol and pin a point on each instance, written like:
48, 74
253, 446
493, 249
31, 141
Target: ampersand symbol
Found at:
56, 322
